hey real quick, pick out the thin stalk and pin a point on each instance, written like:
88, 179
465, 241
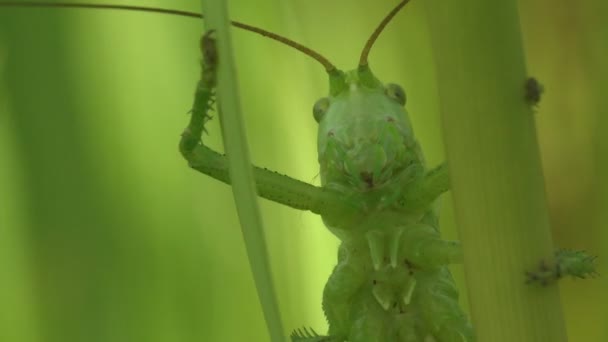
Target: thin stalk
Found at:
243, 187
495, 171
595, 48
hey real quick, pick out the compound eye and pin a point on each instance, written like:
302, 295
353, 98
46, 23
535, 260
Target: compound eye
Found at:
395, 92
320, 108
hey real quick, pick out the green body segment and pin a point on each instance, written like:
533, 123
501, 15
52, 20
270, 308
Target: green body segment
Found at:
391, 283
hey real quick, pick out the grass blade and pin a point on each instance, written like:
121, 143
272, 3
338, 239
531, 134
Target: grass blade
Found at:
495, 170
243, 188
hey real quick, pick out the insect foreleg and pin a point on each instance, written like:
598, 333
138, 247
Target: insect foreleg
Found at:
332, 204
276, 187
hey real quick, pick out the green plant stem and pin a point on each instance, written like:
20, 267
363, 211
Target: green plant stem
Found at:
595, 49
495, 170
240, 167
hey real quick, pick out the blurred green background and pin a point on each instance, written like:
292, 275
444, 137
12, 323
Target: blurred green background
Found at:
107, 235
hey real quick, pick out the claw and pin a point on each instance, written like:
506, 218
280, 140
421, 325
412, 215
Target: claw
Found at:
407, 296
308, 335
375, 239
382, 295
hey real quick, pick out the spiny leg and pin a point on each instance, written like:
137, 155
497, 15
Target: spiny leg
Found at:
332, 204
309, 335
577, 264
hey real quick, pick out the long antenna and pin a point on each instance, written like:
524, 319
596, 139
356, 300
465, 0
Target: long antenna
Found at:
381, 26
307, 51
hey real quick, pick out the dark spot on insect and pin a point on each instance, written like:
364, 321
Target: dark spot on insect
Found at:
330, 133
390, 119
368, 178
374, 282
532, 91
394, 305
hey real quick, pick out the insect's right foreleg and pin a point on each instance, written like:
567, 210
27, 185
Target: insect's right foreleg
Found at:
276, 187
333, 205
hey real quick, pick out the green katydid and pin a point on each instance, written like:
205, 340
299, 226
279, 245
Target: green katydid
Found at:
376, 197
391, 282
